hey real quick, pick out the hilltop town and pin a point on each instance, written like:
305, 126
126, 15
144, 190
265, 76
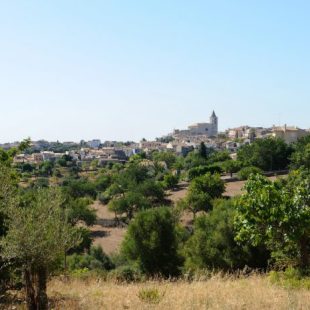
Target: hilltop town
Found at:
180, 142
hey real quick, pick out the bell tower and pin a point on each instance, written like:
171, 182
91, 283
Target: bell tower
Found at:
214, 123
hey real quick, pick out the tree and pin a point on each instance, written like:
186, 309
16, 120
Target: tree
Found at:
7, 192
37, 235
211, 184
201, 192
129, 203
79, 210
79, 188
202, 150
168, 157
196, 201
301, 158
231, 166
267, 154
213, 246
246, 172
152, 242
46, 168
170, 181
278, 216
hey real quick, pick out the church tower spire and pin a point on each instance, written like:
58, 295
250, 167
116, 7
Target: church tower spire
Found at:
214, 123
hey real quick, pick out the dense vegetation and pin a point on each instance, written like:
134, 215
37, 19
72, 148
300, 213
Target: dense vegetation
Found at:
45, 212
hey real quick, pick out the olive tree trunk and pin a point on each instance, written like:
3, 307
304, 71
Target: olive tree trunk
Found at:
35, 288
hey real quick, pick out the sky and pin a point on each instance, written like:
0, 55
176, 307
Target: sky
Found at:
124, 70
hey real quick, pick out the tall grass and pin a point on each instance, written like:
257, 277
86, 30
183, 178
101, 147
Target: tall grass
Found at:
253, 292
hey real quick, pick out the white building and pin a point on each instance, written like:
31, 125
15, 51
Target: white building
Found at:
209, 129
289, 133
94, 144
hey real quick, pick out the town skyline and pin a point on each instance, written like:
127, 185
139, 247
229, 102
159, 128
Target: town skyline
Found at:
170, 132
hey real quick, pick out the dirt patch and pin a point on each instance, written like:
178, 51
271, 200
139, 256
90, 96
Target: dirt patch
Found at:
105, 232
109, 235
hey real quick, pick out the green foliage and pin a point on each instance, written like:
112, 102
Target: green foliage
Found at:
95, 259
6, 157
193, 159
129, 203
46, 168
301, 157
152, 190
79, 210
7, 200
212, 184
202, 151
196, 201
219, 156
202, 170
278, 216
150, 295
267, 154
40, 183
85, 243
246, 172
102, 182
170, 181
290, 278
78, 188
212, 245
167, 157
39, 233
201, 192
26, 167
126, 274
37, 237
151, 242
231, 166
133, 189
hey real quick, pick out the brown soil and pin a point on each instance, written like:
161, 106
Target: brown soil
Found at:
105, 232
109, 235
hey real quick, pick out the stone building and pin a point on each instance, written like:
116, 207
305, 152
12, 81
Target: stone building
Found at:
210, 129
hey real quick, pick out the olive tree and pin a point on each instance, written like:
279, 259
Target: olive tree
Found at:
201, 192
37, 236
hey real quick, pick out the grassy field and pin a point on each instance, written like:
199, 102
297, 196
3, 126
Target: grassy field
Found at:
254, 292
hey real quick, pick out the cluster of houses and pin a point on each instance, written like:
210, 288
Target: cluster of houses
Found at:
181, 142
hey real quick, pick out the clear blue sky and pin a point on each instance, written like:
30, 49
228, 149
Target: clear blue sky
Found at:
122, 70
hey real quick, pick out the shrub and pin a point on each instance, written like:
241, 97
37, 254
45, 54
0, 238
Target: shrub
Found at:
290, 278
150, 295
152, 242
96, 259
245, 172
170, 181
213, 246
125, 274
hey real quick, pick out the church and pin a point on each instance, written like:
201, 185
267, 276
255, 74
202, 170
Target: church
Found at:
210, 129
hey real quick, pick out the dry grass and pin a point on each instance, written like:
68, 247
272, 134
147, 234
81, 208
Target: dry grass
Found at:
255, 292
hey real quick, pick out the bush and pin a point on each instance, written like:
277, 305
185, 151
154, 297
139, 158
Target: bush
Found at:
125, 274
213, 246
96, 259
290, 278
150, 295
245, 172
77, 188
152, 242
170, 181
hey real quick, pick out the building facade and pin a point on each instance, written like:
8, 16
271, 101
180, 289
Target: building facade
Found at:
210, 129
289, 134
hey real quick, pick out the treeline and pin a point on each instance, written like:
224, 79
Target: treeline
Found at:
44, 226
